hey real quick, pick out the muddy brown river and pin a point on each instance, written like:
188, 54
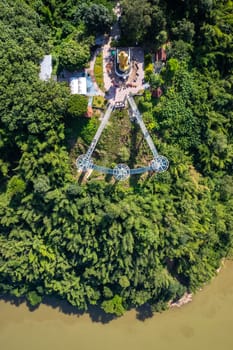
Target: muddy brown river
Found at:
205, 323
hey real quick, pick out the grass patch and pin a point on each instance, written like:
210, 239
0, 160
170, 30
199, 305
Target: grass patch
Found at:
122, 142
98, 102
98, 71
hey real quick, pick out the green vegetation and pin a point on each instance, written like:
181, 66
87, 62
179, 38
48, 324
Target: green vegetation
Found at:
33, 298
98, 102
114, 306
122, 141
77, 106
115, 245
98, 71
143, 21
88, 131
72, 27
73, 56
97, 18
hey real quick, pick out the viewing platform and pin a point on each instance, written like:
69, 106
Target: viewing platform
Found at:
122, 171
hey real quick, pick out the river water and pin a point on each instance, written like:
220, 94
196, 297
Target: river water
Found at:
205, 323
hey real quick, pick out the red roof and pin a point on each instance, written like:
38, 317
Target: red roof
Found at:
161, 55
89, 113
157, 92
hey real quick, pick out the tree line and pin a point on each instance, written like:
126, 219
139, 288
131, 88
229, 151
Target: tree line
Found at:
114, 245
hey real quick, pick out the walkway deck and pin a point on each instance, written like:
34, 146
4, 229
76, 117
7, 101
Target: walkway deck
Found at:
100, 130
140, 121
122, 171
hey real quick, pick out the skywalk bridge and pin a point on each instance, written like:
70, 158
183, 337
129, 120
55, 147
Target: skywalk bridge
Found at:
158, 164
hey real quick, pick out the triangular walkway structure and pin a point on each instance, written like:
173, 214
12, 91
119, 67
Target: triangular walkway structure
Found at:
122, 171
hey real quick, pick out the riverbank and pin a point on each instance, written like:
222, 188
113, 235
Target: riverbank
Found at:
188, 297
205, 323
185, 299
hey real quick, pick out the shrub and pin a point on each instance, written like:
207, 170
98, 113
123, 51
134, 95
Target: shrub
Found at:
98, 71
113, 306
148, 71
98, 102
89, 130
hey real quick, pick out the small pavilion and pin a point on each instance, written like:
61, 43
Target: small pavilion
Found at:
78, 85
46, 68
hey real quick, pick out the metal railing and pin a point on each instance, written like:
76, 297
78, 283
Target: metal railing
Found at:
159, 163
140, 121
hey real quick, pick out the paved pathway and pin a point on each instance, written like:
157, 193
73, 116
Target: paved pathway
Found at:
116, 89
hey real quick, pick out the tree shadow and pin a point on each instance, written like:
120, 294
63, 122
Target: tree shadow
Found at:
111, 93
13, 300
62, 305
134, 181
144, 312
73, 130
98, 315
18, 302
95, 313
108, 178
81, 178
134, 149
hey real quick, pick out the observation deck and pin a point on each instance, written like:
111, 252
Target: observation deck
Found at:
121, 171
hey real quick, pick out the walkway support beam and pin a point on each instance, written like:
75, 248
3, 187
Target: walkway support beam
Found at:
99, 131
140, 121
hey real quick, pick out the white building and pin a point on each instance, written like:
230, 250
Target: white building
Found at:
46, 68
78, 86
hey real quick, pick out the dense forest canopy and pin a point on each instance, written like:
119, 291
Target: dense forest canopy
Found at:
115, 245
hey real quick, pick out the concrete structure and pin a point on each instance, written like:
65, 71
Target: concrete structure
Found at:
46, 68
78, 85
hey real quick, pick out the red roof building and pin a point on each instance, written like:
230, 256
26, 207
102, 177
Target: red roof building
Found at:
161, 55
157, 92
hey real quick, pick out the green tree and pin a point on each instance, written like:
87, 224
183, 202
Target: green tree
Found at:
184, 30
77, 106
33, 298
114, 306
15, 186
73, 55
135, 20
98, 18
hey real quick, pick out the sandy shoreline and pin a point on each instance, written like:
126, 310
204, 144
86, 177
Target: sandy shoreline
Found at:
185, 299
188, 297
